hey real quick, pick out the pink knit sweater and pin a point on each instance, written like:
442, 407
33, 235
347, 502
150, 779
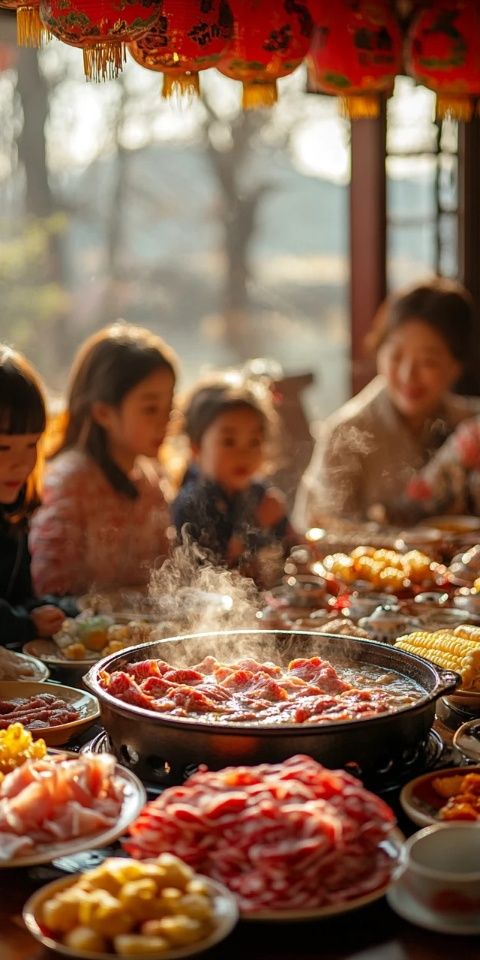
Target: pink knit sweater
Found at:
87, 535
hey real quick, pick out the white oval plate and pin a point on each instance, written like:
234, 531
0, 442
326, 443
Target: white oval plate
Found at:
225, 910
392, 845
451, 524
48, 652
41, 669
134, 798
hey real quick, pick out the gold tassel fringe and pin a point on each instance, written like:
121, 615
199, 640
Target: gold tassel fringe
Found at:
31, 32
180, 85
258, 94
361, 106
104, 60
455, 107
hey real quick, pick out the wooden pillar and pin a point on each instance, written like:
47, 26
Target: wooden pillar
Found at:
469, 233
368, 282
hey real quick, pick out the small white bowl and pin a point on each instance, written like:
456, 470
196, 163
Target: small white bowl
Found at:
467, 740
440, 870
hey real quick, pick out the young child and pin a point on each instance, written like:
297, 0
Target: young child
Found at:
223, 504
450, 482
22, 422
104, 519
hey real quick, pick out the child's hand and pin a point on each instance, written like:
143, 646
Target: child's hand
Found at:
271, 509
235, 549
47, 619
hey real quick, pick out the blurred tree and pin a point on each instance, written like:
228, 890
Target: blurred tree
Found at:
32, 305
45, 221
230, 156
34, 301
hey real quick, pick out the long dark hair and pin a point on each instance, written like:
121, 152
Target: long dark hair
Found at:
107, 366
444, 305
22, 411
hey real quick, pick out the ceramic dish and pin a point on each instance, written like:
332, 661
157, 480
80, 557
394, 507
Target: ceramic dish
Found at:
451, 524
392, 846
225, 911
443, 617
420, 801
84, 702
466, 700
134, 798
467, 739
409, 908
40, 669
49, 653
468, 603
52, 655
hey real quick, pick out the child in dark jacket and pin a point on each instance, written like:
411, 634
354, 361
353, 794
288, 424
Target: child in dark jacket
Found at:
22, 422
225, 503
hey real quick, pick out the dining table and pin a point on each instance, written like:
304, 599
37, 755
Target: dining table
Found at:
371, 932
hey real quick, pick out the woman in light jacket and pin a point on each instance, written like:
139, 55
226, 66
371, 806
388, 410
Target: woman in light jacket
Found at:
368, 450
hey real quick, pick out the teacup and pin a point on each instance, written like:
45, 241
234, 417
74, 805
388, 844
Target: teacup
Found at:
363, 604
440, 868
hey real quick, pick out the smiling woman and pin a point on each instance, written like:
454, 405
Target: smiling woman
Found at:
370, 448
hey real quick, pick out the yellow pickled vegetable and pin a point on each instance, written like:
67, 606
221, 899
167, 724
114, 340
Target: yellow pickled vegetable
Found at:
16, 746
132, 908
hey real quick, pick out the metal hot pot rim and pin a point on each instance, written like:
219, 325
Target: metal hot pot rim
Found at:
164, 749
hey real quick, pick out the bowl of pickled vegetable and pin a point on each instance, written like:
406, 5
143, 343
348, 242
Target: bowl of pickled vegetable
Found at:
155, 908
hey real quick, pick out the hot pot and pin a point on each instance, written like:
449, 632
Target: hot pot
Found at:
165, 748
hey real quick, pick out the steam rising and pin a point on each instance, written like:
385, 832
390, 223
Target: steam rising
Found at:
193, 594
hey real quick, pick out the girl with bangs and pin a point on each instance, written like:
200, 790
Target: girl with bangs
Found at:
104, 517
22, 423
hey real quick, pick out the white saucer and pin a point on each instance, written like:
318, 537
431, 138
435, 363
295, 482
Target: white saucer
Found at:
410, 909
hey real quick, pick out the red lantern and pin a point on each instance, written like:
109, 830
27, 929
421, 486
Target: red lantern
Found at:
443, 53
355, 54
190, 36
270, 40
30, 30
102, 28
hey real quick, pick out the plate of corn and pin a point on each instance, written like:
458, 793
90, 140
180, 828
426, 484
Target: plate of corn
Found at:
457, 650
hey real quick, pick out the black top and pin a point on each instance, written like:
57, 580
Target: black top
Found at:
211, 516
17, 596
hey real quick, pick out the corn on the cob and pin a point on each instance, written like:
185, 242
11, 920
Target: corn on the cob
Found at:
453, 651
468, 632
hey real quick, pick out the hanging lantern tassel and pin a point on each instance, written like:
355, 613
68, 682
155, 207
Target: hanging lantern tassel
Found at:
184, 85
95, 27
364, 106
454, 107
104, 61
31, 32
258, 94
